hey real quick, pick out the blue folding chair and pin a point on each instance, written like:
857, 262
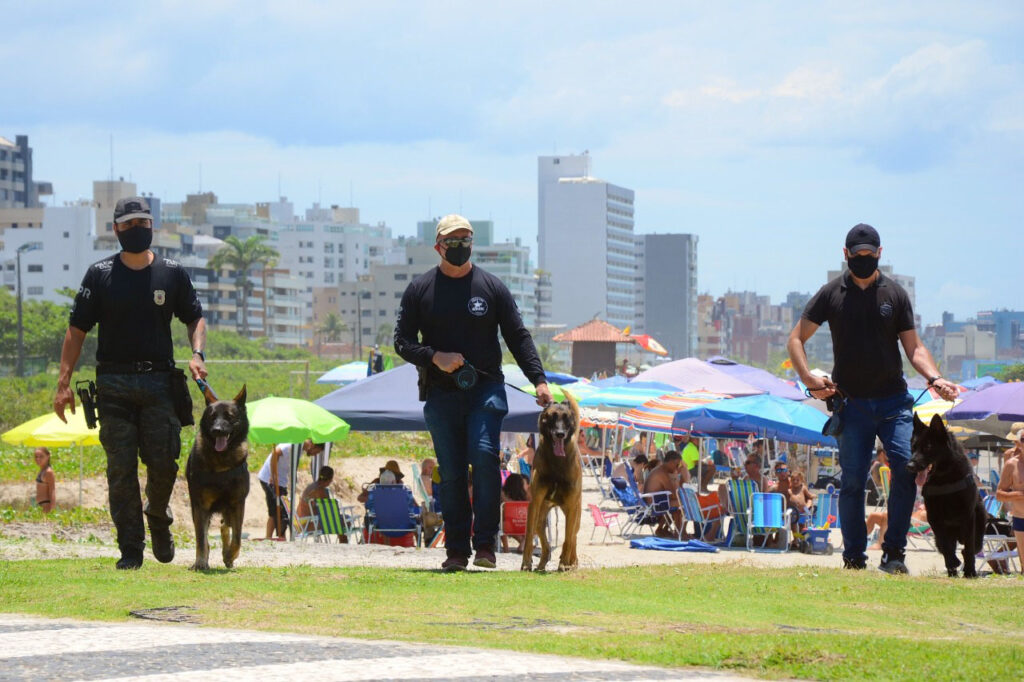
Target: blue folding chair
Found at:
740, 491
767, 513
392, 511
697, 515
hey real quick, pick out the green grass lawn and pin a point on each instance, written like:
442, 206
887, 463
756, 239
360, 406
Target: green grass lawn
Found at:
823, 624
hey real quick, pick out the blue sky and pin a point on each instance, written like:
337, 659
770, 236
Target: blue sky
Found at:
766, 128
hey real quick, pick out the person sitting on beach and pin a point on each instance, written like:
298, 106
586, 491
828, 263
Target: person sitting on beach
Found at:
514, 490
752, 470
320, 489
1011, 485
427, 467
665, 477
46, 481
880, 520
881, 460
710, 500
525, 457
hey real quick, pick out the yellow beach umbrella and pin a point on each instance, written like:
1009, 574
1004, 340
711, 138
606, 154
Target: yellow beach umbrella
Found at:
49, 431
925, 411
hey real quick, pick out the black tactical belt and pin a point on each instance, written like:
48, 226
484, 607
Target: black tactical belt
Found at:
139, 367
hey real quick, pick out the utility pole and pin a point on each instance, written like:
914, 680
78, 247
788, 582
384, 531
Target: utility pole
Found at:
359, 322
20, 368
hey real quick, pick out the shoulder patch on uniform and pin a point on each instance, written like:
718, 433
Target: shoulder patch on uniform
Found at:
104, 265
171, 263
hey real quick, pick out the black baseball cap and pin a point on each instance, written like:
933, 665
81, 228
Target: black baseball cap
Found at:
131, 207
862, 236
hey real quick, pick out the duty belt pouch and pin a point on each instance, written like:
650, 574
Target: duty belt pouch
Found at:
181, 397
834, 424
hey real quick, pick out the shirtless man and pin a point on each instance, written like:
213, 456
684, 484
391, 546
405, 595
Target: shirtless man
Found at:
665, 478
1011, 488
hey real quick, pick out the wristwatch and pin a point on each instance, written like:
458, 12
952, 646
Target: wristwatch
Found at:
932, 380
201, 354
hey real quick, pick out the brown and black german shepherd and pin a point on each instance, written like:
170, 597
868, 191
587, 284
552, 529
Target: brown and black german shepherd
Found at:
955, 511
218, 477
557, 481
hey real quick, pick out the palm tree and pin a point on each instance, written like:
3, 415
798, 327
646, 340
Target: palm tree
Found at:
266, 257
240, 257
330, 330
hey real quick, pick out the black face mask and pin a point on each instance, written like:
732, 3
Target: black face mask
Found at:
862, 267
135, 239
458, 255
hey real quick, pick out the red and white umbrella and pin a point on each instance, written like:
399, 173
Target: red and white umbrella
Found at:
648, 343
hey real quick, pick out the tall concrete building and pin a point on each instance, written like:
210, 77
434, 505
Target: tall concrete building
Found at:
18, 188
669, 291
586, 243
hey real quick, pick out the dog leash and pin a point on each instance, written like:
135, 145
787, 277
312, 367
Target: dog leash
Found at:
207, 391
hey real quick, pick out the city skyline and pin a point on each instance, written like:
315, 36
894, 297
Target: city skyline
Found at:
904, 117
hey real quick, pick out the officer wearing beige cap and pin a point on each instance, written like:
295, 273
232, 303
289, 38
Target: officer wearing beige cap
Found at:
448, 326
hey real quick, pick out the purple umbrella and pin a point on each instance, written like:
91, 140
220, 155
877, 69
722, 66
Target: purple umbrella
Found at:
758, 378
1005, 402
691, 374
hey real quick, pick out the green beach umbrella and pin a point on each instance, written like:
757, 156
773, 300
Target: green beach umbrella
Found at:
290, 420
556, 392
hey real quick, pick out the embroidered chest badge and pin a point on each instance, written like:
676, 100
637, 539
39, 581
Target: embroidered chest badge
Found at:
159, 296
885, 309
477, 306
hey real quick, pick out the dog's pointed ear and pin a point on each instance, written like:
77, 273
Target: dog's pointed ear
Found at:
937, 425
918, 424
240, 398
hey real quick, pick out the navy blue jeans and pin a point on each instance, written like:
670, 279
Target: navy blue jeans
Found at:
892, 421
465, 427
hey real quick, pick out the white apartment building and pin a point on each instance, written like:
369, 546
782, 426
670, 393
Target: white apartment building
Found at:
68, 246
586, 242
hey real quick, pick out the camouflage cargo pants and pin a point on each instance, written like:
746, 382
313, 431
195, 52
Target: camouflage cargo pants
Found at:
137, 421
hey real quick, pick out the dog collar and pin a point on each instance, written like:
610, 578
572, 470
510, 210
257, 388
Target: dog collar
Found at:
947, 489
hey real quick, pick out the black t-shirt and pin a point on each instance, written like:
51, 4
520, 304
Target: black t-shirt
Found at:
463, 315
865, 326
133, 308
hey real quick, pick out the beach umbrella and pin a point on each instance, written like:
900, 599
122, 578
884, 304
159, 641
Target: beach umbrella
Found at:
557, 392
657, 414
649, 344
290, 420
561, 378
925, 411
49, 431
764, 415
984, 410
690, 374
758, 378
344, 374
626, 396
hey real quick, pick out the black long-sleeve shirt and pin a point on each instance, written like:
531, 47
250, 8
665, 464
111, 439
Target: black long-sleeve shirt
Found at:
463, 315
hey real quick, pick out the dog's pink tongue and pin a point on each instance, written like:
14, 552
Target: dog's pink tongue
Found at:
921, 477
559, 446
220, 444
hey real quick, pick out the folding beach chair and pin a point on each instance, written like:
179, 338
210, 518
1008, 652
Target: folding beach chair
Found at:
638, 512
330, 520
885, 476
740, 492
389, 511
603, 519
699, 516
767, 513
512, 520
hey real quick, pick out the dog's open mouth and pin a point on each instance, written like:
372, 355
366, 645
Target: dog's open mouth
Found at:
922, 476
558, 445
220, 443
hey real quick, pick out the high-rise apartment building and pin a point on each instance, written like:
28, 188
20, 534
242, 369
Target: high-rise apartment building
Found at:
585, 242
669, 291
18, 189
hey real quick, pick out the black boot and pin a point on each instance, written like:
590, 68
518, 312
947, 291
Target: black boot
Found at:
892, 561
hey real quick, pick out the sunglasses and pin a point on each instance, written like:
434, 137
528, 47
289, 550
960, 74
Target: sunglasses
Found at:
450, 242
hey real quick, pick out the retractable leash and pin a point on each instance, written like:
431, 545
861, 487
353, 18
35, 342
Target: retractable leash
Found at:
207, 391
837, 402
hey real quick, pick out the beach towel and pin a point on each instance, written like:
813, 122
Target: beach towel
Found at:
668, 545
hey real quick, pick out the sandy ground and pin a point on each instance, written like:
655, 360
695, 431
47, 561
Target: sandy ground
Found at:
22, 541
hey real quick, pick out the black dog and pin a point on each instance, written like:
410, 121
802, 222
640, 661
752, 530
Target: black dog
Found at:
218, 477
955, 511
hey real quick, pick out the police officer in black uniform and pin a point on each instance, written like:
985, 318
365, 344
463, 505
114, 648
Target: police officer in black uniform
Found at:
449, 320
132, 296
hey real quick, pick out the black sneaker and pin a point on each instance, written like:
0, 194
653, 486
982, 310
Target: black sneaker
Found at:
163, 544
892, 562
129, 563
485, 558
855, 564
455, 563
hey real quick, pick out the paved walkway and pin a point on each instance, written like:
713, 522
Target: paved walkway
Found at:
39, 649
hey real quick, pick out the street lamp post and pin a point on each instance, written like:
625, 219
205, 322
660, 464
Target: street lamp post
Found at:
20, 368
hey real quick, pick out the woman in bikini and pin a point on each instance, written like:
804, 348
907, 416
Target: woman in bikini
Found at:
46, 481
1011, 489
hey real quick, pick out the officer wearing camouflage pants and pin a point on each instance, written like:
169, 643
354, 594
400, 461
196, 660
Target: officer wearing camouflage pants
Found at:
132, 296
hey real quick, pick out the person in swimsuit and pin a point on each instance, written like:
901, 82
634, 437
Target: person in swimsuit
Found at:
1011, 488
46, 481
